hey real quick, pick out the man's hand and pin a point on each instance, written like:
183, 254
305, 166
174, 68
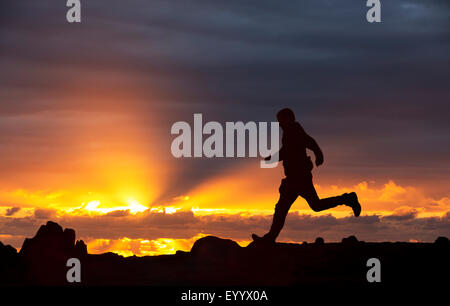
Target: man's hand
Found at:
319, 160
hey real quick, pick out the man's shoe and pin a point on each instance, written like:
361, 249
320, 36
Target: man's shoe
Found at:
354, 203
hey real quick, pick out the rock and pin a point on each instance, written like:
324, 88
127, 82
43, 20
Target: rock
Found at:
319, 241
214, 247
50, 239
46, 254
442, 241
80, 248
182, 253
10, 271
7, 251
350, 241
68, 238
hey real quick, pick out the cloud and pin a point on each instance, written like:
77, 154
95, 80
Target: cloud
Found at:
346, 79
184, 225
391, 197
42, 213
403, 213
118, 213
11, 211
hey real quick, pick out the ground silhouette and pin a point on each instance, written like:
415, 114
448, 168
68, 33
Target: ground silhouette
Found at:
222, 262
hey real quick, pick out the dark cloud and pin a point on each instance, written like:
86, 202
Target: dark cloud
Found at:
43, 213
26, 226
402, 217
11, 211
118, 213
374, 95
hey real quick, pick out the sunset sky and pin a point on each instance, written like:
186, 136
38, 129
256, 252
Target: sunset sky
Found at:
86, 111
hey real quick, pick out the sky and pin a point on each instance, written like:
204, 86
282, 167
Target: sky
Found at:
86, 111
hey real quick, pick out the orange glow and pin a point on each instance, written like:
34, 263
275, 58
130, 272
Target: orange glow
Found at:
94, 207
255, 191
234, 193
113, 172
143, 247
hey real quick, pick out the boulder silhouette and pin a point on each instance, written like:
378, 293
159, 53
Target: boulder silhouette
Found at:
442, 241
214, 247
80, 248
9, 265
7, 251
52, 240
319, 241
47, 252
350, 241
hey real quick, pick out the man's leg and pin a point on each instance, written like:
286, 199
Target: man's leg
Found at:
310, 195
281, 211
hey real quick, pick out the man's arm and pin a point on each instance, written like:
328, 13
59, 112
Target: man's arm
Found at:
280, 155
313, 146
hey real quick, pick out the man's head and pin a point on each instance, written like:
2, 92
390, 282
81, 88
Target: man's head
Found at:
285, 117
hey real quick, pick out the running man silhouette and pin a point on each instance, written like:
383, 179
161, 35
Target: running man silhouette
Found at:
298, 181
